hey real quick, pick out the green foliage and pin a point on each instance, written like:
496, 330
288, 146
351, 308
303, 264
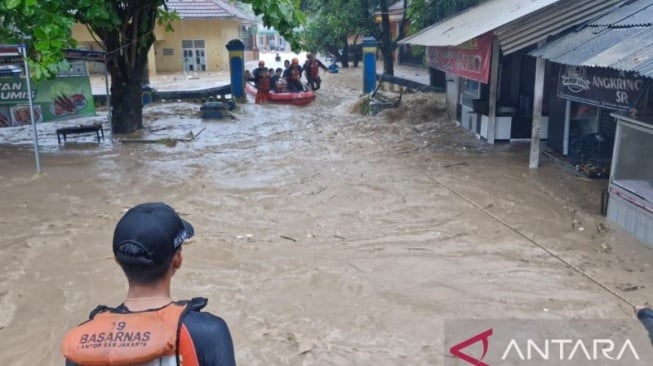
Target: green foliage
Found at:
332, 21
423, 13
42, 28
283, 15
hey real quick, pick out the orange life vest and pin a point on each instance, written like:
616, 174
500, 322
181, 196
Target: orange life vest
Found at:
112, 338
264, 83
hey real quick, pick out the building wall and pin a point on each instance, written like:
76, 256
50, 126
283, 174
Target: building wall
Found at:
215, 33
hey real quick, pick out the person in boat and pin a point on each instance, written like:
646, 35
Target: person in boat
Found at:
293, 76
149, 327
312, 71
256, 71
278, 82
249, 76
263, 87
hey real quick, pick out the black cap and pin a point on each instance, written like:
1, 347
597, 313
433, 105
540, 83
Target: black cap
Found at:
149, 233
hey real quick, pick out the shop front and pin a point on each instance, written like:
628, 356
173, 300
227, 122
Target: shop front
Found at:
583, 127
471, 67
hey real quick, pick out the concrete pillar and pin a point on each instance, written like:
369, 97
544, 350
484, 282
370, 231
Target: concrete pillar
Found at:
540, 69
494, 85
370, 45
236, 49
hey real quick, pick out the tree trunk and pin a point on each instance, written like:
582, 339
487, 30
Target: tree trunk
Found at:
387, 45
344, 60
126, 103
127, 46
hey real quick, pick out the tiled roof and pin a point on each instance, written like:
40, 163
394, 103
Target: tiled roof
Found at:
205, 9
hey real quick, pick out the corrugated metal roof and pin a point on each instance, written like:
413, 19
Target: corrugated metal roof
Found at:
617, 40
517, 23
480, 19
205, 9
635, 14
552, 20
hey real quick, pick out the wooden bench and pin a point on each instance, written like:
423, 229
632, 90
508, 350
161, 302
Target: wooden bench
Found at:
97, 129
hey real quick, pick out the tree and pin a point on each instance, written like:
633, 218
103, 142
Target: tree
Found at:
332, 22
387, 45
423, 13
126, 31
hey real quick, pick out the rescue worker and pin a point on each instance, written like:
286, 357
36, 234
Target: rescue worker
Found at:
263, 86
293, 75
312, 69
149, 327
256, 71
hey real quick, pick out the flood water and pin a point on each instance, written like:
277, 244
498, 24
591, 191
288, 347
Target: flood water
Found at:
323, 237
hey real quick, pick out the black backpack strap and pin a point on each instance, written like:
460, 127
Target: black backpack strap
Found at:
197, 303
99, 309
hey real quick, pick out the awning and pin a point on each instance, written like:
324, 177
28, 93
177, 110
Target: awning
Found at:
622, 40
517, 24
471, 23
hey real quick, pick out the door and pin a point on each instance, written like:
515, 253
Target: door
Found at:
194, 55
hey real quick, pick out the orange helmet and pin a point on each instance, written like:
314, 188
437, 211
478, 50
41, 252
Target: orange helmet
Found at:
261, 63
295, 61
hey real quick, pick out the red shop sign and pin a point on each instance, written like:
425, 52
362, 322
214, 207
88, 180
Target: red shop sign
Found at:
470, 60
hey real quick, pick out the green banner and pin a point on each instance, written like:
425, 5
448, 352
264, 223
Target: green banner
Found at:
53, 100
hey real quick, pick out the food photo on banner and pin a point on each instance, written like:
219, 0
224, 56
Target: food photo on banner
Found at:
53, 100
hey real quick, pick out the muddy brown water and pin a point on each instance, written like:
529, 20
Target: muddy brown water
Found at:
323, 237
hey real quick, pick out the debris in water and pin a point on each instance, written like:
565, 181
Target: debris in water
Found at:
629, 288
456, 164
601, 228
605, 248
288, 238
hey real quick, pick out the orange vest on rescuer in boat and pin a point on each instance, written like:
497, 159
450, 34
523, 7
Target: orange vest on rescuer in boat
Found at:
112, 338
264, 83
